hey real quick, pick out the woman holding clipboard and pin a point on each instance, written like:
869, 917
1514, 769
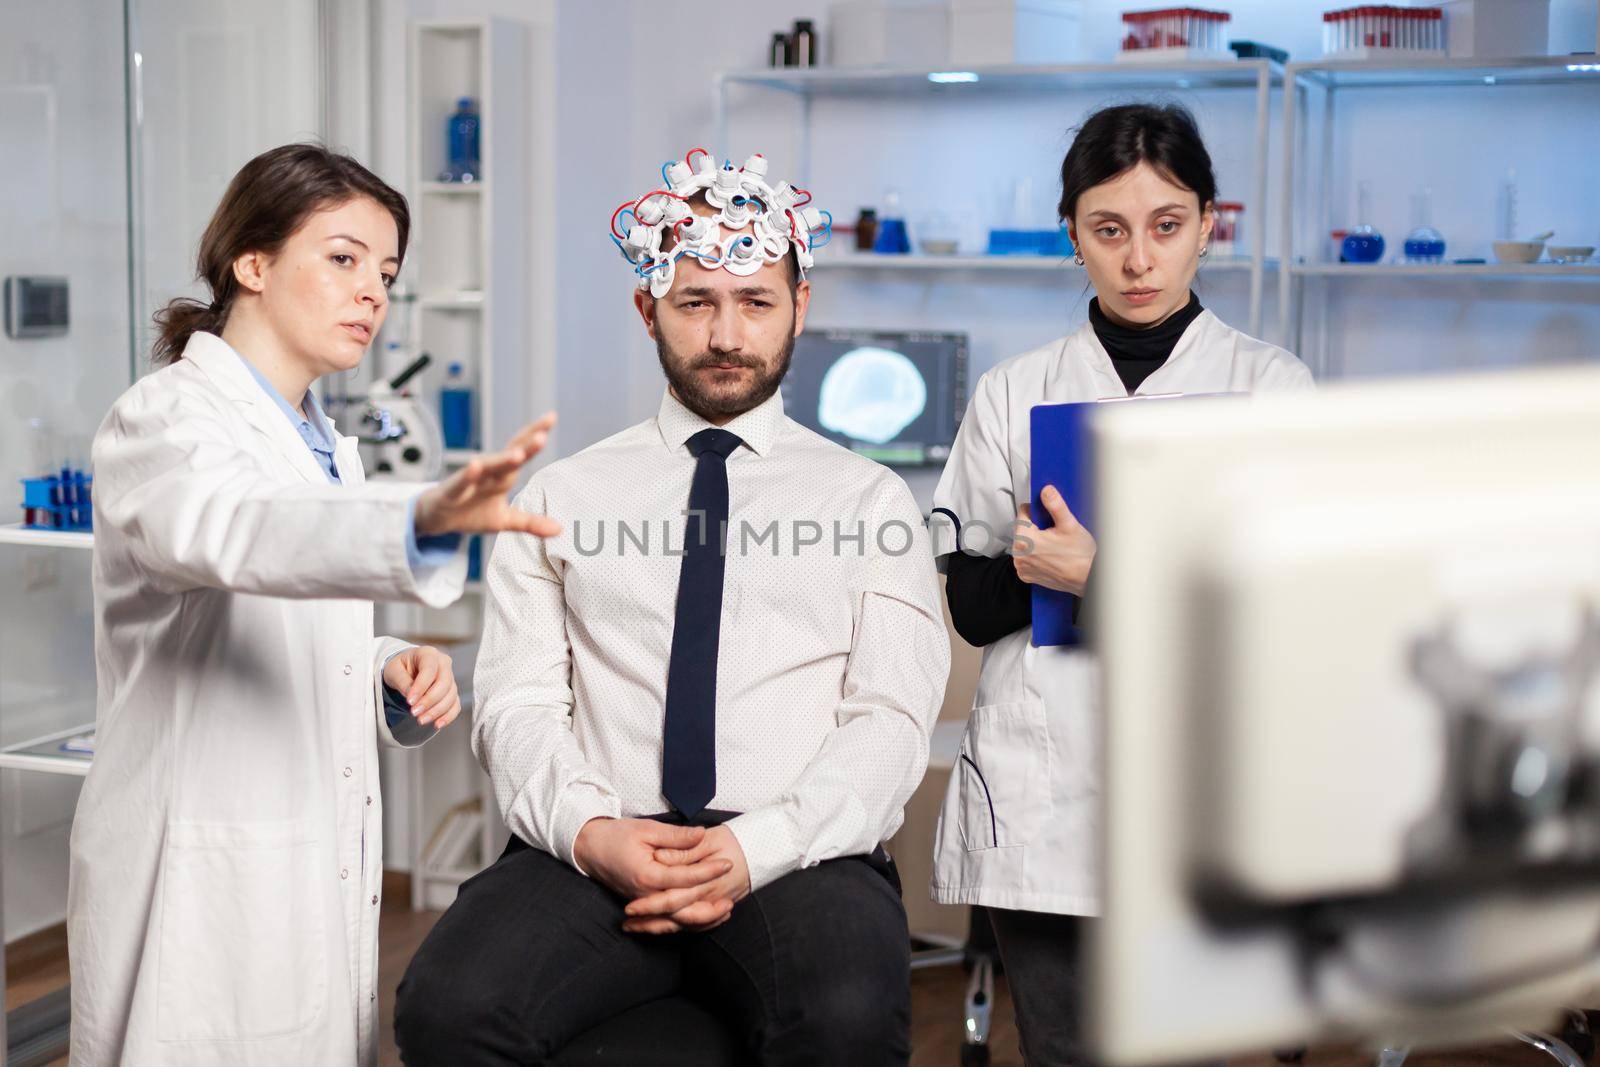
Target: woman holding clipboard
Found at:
1018, 830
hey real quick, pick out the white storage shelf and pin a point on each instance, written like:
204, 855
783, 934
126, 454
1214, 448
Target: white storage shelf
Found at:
17, 534
471, 288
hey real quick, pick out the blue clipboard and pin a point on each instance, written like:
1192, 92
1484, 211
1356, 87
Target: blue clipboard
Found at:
1063, 456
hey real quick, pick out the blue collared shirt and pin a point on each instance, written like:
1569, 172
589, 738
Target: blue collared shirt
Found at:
316, 430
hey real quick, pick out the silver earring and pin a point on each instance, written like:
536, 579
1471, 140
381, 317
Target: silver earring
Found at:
1078, 259
1205, 250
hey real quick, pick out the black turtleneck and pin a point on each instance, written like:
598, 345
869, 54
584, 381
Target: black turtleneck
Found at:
987, 599
1139, 353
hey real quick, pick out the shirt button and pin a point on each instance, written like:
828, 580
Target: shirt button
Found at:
344, 873
347, 668
372, 996
374, 899
348, 772
369, 802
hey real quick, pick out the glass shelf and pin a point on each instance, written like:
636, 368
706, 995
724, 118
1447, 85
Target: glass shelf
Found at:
1409, 72
17, 534
1589, 272
867, 81
45, 754
999, 264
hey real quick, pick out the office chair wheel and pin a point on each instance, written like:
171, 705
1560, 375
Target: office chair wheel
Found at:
974, 1056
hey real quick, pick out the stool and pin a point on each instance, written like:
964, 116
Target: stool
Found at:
671, 1032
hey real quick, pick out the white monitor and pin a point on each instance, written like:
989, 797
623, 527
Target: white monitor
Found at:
1350, 645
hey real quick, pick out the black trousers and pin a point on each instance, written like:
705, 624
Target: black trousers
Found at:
811, 969
1042, 955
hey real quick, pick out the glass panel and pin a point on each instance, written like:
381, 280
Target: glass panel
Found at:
218, 83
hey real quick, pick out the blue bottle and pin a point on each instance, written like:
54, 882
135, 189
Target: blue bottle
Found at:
455, 409
1364, 244
462, 136
1424, 244
893, 238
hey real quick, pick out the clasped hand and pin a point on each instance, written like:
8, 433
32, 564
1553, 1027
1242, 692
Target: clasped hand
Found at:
673, 877
1058, 558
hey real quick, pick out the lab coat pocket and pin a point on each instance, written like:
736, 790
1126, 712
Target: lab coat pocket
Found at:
242, 929
1004, 767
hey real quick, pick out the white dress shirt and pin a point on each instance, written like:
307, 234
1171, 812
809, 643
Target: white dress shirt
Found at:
832, 659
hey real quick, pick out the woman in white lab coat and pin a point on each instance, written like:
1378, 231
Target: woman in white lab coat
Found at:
1018, 829
227, 850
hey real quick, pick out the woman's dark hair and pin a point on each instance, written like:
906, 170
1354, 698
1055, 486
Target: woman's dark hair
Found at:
1117, 139
267, 201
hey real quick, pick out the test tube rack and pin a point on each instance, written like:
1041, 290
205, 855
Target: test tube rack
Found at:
1383, 31
1175, 34
58, 502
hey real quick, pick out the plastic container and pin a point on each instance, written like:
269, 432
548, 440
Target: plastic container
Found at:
1226, 234
1030, 243
1482, 29
455, 409
987, 33
461, 133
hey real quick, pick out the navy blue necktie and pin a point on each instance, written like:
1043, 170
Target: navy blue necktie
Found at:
689, 742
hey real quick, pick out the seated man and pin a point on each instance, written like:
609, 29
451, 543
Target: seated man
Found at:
704, 704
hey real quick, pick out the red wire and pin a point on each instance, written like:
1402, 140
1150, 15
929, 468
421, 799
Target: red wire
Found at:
689, 159
633, 205
804, 192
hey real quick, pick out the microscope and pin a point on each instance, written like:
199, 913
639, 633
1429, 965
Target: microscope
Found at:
407, 444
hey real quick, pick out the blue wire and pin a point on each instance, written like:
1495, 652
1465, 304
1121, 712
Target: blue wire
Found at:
664, 179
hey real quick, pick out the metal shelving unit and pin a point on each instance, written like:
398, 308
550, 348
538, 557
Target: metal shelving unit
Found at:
805, 85
469, 307
1334, 77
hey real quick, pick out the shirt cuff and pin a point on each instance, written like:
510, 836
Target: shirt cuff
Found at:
766, 836
403, 726
579, 802
427, 554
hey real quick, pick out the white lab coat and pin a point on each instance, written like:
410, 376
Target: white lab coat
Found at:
1020, 819
227, 850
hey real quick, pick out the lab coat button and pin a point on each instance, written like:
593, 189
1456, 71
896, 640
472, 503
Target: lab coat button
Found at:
374, 899
347, 668
348, 772
344, 872
369, 802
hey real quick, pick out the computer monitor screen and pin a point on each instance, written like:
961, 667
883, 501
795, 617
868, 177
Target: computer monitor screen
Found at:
1349, 647
893, 396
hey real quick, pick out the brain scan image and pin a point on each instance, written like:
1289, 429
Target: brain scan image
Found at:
871, 394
